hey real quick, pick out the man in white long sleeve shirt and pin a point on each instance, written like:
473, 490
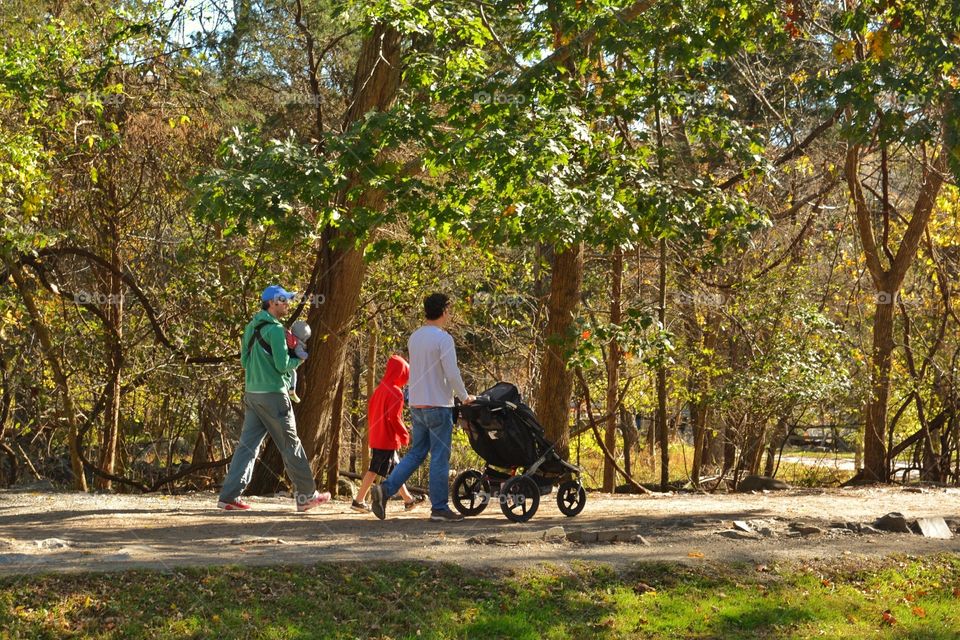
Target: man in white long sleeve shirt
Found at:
434, 380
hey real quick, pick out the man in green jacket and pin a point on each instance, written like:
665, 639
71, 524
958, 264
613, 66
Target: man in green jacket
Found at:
267, 366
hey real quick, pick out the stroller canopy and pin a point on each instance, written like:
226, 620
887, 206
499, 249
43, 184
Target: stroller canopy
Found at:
502, 429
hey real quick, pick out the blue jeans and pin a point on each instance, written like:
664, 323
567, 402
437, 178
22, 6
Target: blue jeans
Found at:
432, 432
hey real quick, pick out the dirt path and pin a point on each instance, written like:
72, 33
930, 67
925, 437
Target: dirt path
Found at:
42, 532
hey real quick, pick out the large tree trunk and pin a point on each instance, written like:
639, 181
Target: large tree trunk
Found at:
887, 280
341, 268
613, 373
556, 380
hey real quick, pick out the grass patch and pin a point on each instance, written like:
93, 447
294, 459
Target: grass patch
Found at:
812, 475
891, 598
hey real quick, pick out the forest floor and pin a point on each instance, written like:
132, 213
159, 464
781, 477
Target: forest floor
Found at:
50, 531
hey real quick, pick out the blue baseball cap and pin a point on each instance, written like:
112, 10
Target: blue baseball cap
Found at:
276, 292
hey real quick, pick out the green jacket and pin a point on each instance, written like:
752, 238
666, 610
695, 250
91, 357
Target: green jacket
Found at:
264, 373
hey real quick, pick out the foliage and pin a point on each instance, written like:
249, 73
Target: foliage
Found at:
204, 165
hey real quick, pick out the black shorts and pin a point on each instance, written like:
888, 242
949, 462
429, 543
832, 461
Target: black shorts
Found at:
382, 461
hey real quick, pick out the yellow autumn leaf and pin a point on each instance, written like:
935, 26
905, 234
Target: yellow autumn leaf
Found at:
843, 51
878, 43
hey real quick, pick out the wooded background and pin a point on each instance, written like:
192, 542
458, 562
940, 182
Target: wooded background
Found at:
736, 219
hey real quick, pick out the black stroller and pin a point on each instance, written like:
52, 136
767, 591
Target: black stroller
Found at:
505, 433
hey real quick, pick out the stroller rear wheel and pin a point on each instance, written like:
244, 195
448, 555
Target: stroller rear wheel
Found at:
571, 498
471, 492
519, 498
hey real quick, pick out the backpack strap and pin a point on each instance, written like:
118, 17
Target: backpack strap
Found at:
259, 338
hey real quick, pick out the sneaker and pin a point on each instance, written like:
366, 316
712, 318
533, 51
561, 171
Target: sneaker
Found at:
315, 500
362, 507
237, 504
413, 504
378, 502
444, 515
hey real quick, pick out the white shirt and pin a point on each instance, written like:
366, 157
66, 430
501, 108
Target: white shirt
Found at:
434, 375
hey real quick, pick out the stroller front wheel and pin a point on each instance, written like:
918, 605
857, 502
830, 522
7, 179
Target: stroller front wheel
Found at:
471, 492
571, 498
519, 498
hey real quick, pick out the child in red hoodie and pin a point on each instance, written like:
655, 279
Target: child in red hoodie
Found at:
387, 431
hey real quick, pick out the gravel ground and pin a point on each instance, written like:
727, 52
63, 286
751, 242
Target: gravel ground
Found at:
69, 532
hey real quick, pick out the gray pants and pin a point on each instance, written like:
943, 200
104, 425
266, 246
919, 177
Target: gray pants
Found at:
268, 413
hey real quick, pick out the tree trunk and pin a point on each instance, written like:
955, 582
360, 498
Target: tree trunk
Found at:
698, 413
371, 385
336, 432
114, 313
68, 411
876, 466
211, 429
780, 433
714, 438
342, 268
704, 340
556, 380
355, 413
630, 437
662, 433
756, 449
613, 373
887, 281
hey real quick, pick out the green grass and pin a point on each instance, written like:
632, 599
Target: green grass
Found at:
891, 598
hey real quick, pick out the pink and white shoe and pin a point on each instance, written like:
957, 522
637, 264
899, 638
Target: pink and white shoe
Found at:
237, 504
314, 501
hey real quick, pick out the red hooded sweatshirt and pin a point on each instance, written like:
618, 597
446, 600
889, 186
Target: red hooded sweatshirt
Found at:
385, 409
